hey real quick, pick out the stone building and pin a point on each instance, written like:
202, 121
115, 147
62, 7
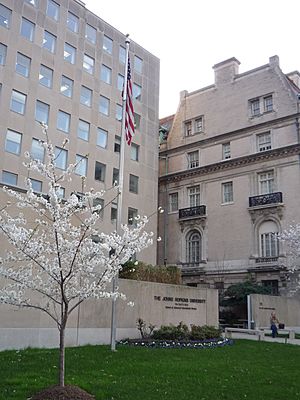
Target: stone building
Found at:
62, 65
230, 177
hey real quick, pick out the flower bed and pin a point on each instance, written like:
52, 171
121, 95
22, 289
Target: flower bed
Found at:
177, 344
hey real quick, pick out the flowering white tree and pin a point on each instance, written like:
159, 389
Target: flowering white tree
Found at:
291, 238
58, 256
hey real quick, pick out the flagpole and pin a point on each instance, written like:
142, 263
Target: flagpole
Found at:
120, 193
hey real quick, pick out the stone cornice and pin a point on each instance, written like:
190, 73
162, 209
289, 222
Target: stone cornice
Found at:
225, 136
281, 152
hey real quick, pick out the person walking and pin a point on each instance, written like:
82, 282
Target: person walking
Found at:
273, 322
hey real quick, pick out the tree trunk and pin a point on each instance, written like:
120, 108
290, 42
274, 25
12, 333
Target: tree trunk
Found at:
62, 355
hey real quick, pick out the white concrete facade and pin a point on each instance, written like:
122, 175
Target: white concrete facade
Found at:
229, 177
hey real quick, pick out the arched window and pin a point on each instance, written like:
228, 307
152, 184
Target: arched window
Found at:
193, 247
268, 241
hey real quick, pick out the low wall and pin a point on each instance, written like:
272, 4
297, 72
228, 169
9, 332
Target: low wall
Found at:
286, 309
156, 303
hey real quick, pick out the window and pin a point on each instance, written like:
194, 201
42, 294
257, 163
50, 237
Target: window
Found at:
52, 10
194, 196
66, 86
9, 178
114, 211
193, 247
102, 138
36, 185
198, 124
34, 3
115, 177
193, 159
61, 192
119, 112
37, 150
90, 33
61, 157
272, 285
69, 53
23, 65
266, 182
122, 54
72, 22
133, 183
63, 121
18, 102
226, 154
268, 103
107, 44
49, 42
120, 83
264, 141
134, 152
255, 107
88, 64
138, 64
188, 128
5, 16
3, 51
105, 75
100, 171
132, 215
86, 96
104, 105
268, 231
27, 29
42, 112
81, 165
117, 146
46, 76
137, 91
173, 202
13, 142
83, 130
137, 120
227, 192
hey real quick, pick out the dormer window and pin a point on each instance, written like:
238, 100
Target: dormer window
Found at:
268, 103
193, 126
261, 105
188, 128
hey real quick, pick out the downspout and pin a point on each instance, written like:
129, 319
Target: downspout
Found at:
166, 214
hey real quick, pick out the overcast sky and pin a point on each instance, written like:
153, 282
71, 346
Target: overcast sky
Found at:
190, 36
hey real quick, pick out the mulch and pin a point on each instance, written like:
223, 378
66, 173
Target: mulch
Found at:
68, 392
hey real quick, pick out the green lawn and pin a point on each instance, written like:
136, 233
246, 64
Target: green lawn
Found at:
246, 370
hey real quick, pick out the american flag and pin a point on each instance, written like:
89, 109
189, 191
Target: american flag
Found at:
129, 114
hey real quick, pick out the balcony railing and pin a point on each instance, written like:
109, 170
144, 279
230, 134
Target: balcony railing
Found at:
266, 260
190, 212
265, 199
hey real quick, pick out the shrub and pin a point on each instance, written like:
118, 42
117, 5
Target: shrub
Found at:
181, 332
204, 332
150, 273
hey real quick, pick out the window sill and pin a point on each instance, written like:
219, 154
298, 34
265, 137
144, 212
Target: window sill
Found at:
229, 203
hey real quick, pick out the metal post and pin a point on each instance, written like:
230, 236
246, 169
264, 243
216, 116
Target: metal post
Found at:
120, 194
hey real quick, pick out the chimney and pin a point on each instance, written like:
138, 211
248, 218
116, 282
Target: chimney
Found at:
274, 61
295, 77
226, 71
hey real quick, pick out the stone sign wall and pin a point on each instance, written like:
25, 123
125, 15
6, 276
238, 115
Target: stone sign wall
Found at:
156, 303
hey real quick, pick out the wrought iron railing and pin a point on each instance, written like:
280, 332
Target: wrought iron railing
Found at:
264, 199
266, 260
192, 212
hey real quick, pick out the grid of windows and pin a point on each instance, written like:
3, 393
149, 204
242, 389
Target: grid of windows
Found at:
53, 10
90, 33
73, 22
102, 138
133, 183
27, 29
37, 150
138, 64
120, 82
23, 65
137, 91
100, 170
117, 145
107, 44
81, 165
46, 76
13, 142
134, 152
104, 105
105, 75
115, 177
18, 102
42, 112
132, 216
88, 64
66, 86
49, 42
36, 185
69, 53
5, 16
9, 178
119, 112
122, 54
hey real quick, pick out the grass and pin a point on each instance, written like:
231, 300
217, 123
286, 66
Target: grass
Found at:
247, 370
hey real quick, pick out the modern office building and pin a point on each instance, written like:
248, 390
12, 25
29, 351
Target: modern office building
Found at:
230, 177
62, 65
